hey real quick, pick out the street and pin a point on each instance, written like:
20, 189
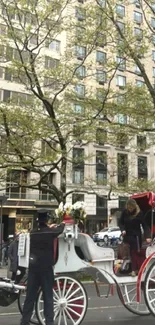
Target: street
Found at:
103, 311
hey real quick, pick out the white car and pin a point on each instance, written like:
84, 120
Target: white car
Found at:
108, 234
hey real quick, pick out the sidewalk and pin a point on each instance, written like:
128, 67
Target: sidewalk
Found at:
3, 272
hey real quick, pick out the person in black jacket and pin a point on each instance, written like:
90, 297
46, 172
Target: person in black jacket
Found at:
131, 224
41, 267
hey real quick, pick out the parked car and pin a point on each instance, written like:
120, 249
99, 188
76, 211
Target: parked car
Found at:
108, 234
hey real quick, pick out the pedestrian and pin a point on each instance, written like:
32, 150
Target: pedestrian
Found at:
131, 224
17, 271
40, 274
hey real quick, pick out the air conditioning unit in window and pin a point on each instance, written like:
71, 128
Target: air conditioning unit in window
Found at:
80, 18
121, 87
79, 57
101, 82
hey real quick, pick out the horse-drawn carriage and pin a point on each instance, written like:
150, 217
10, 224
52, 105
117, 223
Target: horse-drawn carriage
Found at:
77, 253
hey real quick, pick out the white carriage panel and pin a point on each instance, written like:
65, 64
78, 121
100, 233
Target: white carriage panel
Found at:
24, 250
150, 250
68, 261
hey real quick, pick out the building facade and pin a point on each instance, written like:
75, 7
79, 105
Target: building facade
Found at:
109, 165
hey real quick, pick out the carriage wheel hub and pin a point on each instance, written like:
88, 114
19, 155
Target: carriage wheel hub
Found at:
62, 302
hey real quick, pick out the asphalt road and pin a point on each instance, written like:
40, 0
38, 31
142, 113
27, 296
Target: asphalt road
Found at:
101, 310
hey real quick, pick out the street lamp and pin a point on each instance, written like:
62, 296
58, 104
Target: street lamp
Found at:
3, 199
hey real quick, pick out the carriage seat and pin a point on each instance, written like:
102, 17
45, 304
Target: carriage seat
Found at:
91, 251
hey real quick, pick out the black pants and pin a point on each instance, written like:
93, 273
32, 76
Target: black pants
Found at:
17, 278
37, 279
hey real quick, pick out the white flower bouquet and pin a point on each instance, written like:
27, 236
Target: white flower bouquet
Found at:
76, 211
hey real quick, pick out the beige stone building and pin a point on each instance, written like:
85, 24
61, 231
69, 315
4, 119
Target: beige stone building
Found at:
19, 210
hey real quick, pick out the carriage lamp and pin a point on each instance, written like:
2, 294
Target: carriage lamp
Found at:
68, 237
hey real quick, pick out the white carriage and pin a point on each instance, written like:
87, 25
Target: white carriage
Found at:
70, 296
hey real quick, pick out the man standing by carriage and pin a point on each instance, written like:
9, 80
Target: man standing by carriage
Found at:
41, 263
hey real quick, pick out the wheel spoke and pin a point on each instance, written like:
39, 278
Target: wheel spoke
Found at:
55, 293
64, 316
56, 313
59, 319
76, 298
64, 287
73, 293
58, 285
70, 288
73, 311
76, 305
69, 316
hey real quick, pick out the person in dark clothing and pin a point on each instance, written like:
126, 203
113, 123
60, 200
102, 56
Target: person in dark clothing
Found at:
131, 224
41, 267
17, 271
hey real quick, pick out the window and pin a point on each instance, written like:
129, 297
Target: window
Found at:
78, 108
122, 119
137, 17
14, 181
137, 70
81, 72
8, 75
55, 45
137, 3
101, 167
80, 13
100, 77
1, 73
120, 81
153, 55
6, 95
120, 10
101, 136
3, 29
51, 63
78, 166
100, 94
101, 202
34, 40
138, 33
44, 194
2, 51
139, 83
153, 39
152, 5
80, 32
9, 53
121, 26
121, 63
122, 202
80, 52
122, 168
100, 57
80, 90
141, 142
142, 167
100, 39
3, 143
153, 72
101, 3
122, 140
46, 148
153, 23
77, 197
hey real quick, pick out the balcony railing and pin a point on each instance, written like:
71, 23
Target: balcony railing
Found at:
29, 196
